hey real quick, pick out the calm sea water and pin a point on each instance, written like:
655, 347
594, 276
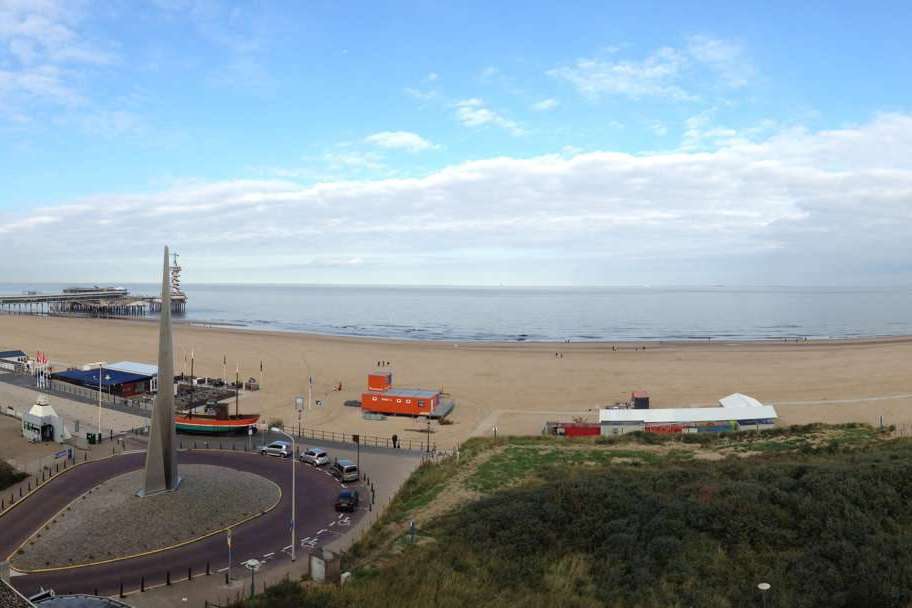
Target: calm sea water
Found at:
549, 314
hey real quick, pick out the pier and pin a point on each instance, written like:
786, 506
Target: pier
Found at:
95, 301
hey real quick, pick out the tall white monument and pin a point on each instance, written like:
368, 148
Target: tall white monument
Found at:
161, 456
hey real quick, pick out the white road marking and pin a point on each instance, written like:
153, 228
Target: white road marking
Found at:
268, 555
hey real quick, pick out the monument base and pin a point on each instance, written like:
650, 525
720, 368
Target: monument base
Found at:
142, 491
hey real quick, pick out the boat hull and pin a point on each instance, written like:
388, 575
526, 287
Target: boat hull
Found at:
204, 425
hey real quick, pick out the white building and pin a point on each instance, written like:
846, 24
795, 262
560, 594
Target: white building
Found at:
735, 412
11, 359
41, 423
142, 369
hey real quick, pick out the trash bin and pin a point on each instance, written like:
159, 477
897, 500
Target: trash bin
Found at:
91, 438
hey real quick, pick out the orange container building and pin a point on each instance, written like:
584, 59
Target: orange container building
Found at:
382, 398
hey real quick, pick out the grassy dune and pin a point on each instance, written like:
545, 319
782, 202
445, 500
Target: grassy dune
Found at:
819, 512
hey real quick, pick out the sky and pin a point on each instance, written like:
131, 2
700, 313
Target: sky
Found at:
465, 143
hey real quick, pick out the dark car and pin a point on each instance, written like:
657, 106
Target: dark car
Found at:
348, 500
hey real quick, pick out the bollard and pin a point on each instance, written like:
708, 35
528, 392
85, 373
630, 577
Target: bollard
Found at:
167, 577
190, 573
96, 592
227, 582
207, 569
142, 584
20, 491
121, 590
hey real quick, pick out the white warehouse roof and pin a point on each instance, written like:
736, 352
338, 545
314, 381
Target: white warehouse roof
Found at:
132, 367
687, 414
739, 400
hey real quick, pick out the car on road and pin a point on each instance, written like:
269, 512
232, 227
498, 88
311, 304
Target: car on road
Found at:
347, 501
345, 470
276, 448
316, 457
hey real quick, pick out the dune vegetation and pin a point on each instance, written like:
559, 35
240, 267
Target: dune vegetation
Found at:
820, 513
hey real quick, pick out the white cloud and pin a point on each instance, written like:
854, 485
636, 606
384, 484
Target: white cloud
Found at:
399, 140
545, 105
44, 55
663, 73
659, 128
654, 76
475, 113
725, 57
797, 206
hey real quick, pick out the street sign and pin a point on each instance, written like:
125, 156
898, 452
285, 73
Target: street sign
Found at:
61, 454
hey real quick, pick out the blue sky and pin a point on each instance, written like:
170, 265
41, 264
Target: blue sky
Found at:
469, 142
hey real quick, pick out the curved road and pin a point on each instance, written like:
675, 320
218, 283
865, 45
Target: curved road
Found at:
266, 535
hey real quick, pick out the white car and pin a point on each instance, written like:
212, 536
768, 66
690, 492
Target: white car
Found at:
316, 457
276, 448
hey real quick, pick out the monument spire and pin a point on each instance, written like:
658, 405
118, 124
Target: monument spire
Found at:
161, 455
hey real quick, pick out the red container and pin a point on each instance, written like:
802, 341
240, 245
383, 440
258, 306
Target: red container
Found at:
577, 429
379, 381
400, 401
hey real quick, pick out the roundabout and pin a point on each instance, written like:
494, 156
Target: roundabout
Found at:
265, 535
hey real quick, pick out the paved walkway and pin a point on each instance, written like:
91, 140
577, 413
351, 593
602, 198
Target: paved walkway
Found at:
74, 413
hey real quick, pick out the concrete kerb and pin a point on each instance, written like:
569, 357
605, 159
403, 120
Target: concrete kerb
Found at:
39, 485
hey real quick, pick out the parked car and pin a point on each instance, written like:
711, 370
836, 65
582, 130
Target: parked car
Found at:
345, 471
347, 501
316, 457
276, 448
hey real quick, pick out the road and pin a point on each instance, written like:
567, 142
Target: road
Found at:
263, 538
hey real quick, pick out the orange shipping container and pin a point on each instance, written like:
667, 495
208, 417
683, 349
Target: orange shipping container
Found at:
409, 402
379, 381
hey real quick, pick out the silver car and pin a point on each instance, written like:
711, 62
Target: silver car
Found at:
316, 457
276, 448
345, 471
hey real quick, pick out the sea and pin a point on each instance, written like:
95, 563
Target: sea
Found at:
546, 314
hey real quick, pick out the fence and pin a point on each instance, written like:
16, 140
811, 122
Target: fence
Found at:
375, 441
88, 394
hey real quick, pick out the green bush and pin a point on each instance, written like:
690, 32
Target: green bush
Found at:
829, 528
9, 475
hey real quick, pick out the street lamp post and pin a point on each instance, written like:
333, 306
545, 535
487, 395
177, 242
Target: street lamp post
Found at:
100, 372
294, 458
763, 587
253, 565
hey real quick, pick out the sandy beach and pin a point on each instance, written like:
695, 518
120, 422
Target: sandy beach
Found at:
515, 387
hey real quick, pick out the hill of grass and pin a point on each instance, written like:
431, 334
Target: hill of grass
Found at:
821, 513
